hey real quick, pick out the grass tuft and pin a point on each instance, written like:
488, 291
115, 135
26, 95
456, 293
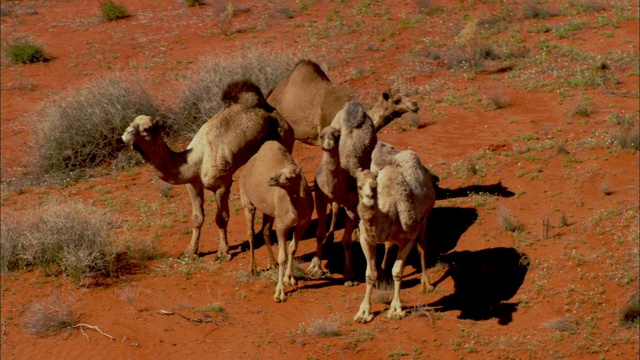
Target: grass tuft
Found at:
112, 11
323, 328
562, 325
630, 314
49, 317
508, 220
22, 50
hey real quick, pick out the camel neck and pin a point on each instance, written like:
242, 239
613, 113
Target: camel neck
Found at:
167, 163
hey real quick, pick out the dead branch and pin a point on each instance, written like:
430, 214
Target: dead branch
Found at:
82, 326
207, 318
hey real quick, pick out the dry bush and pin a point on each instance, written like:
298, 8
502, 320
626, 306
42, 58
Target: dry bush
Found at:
533, 10
323, 328
497, 99
49, 317
562, 325
200, 98
630, 314
383, 293
71, 238
508, 220
81, 128
626, 138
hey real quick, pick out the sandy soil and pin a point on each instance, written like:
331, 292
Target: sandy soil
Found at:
489, 162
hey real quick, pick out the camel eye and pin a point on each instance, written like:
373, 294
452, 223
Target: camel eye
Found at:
397, 101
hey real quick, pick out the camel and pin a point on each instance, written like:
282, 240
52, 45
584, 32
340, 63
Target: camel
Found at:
396, 195
221, 146
335, 178
272, 183
309, 101
332, 186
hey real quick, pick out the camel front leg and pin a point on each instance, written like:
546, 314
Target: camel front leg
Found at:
425, 284
280, 296
250, 213
395, 311
267, 222
315, 268
196, 193
347, 243
222, 219
364, 314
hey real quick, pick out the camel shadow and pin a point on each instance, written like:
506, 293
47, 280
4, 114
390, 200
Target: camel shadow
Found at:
444, 228
483, 281
496, 189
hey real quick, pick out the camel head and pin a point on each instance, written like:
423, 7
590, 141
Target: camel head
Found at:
367, 187
398, 102
142, 127
285, 178
329, 138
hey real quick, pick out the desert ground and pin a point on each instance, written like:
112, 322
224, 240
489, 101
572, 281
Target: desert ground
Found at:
537, 207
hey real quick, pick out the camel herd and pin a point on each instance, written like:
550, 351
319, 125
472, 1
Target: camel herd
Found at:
388, 190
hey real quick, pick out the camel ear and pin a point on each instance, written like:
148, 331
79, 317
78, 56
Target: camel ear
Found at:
284, 176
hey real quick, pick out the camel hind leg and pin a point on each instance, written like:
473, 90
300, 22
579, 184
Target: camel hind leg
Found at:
425, 284
315, 268
222, 219
395, 310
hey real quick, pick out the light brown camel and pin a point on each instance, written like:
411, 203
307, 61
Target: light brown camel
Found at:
272, 183
356, 138
221, 146
396, 196
309, 101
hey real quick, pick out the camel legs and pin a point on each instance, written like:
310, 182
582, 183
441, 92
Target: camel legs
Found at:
335, 207
250, 214
315, 268
267, 223
425, 284
281, 232
364, 314
347, 242
395, 311
196, 193
222, 218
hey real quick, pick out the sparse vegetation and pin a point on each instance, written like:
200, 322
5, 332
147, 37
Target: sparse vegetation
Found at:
22, 50
562, 325
508, 220
323, 328
112, 11
631, 312
70, 238
81, 128
49, 317
193, 3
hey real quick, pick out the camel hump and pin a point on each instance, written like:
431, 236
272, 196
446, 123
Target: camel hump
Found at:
313, 67
246, 93
355, 116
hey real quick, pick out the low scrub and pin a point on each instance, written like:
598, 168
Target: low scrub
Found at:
81, 128
49, 317
200, 98
112, 11
22, 50
70, 238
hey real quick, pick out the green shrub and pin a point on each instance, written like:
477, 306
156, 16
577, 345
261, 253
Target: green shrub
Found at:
71, 238
200, 98
111, 11
24, 51
192, 3
81, 128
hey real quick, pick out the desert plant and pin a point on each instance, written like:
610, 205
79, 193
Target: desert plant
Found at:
562, 325
112, 11
626, 138
383, 293
496, 99
533, 10
199, 99
508, 220
192, 3
631, 311
81, 128
49, 317
22, 50
71, 238
323, 328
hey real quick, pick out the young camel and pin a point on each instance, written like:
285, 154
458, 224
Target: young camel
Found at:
309, 101
347, 144
272, 183
221, 146
396, 196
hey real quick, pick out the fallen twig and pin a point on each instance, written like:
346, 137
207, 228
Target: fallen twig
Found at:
82, 326
207, 318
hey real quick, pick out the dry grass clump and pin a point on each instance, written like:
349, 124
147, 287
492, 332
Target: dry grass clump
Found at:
49, 317
508, 220
81, 128
323, 328
383, 293
630, 314
562, 325
533, 10
70, 238
200, 98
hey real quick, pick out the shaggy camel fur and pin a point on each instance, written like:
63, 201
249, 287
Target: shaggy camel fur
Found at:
335, 177
272, 183
221, 146
309, 101
396, 196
